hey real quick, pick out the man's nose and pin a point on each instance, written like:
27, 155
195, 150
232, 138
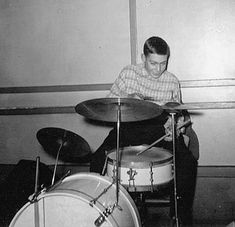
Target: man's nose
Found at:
158, 67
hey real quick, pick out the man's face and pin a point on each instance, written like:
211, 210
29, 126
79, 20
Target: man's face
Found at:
155, 64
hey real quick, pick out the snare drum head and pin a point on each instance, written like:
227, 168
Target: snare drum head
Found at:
128, 155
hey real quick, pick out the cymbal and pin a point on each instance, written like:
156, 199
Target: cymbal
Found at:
197, 105
105, 109
73, 147
171, 107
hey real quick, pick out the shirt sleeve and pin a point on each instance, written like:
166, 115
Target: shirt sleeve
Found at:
176, 93
118, 88
179, 95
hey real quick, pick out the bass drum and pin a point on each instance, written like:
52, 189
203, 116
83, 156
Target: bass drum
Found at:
84, 199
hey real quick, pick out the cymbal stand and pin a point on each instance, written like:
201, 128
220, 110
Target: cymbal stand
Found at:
174, 165
57, 156
33, 198
117, 151
36, 210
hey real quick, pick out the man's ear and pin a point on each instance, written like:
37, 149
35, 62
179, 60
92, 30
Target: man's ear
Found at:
143, 57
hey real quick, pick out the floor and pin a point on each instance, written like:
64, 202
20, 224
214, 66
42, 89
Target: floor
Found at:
155, 216
159, 217
161, 221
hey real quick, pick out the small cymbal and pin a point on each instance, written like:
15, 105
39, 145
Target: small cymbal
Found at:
197, 105
73, 147
105, 109
171, 107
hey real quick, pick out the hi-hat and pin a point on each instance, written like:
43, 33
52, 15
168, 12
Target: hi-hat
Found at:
197, 105
73, 148
105, 109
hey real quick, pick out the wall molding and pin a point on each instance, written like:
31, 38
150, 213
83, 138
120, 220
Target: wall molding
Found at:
37, 110
55, 88
103, 87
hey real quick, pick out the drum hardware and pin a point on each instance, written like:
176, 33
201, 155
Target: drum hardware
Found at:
52, 186
37, 174
62, 142
114, 171
174, 165
109, 210
131, 174
93, 201
32, 198
105, 164
151, 175
116, 178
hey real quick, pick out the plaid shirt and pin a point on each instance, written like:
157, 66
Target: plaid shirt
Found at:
134, 79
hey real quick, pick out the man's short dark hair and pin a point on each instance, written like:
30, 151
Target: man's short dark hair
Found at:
156, 45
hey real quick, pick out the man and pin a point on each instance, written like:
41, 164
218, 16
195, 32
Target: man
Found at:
150, 80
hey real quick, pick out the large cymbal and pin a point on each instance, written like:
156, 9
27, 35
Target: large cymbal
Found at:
73, 147
106, 109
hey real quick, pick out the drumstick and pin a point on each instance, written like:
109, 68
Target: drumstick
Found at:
160, 139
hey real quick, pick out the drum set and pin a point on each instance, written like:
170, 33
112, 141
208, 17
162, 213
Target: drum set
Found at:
90, 199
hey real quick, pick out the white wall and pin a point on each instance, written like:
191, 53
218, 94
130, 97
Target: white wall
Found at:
200, 35
63, 42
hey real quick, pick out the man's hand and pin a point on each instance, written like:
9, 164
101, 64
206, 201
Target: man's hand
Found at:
168, 128
140, 96
135, 96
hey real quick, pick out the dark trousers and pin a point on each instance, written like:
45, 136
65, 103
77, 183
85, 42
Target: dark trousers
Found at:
147, 132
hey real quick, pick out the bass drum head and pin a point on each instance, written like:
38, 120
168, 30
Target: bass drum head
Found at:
79, 200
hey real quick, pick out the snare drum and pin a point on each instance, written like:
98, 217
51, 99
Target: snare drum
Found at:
82, 199
144, 172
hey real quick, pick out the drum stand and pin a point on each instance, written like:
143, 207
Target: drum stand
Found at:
174, 166
57, 157
116, 179
99, 221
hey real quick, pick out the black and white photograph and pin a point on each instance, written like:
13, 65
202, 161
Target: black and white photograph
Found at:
117, 113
